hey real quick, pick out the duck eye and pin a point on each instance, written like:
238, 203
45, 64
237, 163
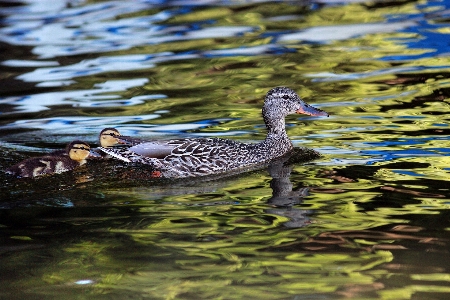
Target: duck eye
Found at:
286, 97
80, 148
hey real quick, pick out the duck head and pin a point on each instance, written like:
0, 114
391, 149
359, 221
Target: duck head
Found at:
282, 101
109, 137
79, 151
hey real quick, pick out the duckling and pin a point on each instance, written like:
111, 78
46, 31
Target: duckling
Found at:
111, 137
75, 155
108, 137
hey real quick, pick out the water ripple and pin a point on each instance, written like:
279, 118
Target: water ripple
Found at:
342, 32
100, 65
75, 31
103, 94
62, 124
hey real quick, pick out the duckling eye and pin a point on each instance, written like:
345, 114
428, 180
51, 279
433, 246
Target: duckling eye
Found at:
81, 148
113, 134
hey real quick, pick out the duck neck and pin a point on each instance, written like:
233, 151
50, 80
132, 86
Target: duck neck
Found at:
277, 137
276, 129
275, 122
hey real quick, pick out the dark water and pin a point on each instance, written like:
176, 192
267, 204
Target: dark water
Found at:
367, 220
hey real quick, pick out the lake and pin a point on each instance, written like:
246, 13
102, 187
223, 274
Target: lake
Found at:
368, 219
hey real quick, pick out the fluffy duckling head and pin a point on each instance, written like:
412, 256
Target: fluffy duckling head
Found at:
78, 151
109, 137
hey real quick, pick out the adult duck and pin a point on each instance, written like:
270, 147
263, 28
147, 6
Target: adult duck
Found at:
211, 156
56, 162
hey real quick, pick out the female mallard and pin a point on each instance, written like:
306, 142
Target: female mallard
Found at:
210, 156
57, 162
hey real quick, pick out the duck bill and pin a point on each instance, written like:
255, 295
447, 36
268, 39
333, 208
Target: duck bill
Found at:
307, 109
125, 141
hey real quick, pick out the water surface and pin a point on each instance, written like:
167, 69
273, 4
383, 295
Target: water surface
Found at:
367, 220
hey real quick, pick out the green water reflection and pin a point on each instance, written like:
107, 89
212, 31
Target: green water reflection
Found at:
367, 220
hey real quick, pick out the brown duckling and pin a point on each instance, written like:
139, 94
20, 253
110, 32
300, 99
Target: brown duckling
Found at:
108, 137
56, 162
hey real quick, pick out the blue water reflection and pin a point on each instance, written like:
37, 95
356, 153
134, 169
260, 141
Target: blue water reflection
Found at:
100, 65
103, 95
431, 36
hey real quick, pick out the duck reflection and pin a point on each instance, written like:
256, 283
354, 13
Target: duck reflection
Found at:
284, 197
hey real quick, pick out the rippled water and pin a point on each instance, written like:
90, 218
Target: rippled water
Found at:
369, 219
